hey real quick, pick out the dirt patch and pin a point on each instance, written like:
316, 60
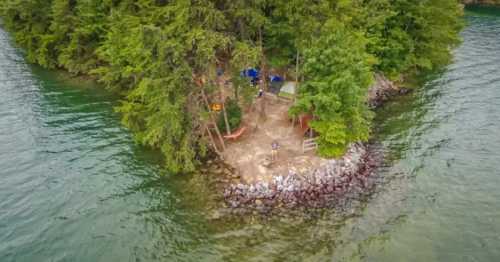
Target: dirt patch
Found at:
251, 154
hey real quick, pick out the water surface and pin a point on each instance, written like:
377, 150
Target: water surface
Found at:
75, 187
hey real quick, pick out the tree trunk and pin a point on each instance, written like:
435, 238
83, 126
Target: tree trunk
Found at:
263, 66
212, 141
236, 92
223, 101
219, 135
264, 74
296, 77
228, 127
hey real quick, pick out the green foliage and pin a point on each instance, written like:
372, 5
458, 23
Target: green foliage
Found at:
411, 34
244, 55
150, 50
338, 71
245, 92
234, 115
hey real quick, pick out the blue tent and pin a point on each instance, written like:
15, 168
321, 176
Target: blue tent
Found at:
275, 78
276, 83
250, 72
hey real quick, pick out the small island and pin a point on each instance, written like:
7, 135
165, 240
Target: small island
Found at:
281, 91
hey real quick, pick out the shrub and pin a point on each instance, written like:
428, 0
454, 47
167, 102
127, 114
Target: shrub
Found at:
234, 114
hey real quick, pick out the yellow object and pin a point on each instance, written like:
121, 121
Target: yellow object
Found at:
216, 107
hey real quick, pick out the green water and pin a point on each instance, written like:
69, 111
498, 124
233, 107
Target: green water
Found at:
74, 187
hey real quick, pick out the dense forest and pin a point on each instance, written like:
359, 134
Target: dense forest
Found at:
163, 56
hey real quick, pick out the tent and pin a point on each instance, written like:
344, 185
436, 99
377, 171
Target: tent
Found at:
288, 88
275, 78
276, 83
250, 72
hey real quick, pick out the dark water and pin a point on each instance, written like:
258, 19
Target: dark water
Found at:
74, 187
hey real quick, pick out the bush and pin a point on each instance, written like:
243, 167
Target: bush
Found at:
234, 114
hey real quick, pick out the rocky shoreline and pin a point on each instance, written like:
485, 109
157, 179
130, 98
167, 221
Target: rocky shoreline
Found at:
327, 186
383, 90
331, 185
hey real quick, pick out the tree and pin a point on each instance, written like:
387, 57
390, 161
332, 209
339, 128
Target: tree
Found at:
338, 74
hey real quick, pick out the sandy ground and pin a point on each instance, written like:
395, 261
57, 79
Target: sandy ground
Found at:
251, 153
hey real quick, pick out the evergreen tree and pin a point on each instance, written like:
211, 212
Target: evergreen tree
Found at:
338, 74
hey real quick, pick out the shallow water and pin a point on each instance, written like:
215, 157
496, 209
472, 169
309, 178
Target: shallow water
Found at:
74, 187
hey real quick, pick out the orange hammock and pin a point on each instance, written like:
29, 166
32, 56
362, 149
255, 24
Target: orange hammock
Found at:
236, 134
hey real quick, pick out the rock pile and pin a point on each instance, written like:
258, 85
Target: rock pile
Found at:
328, 185
382, 90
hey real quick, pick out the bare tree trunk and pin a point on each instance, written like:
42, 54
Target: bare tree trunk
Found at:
228, 128
224, 112
236, 92
296, 77
264, 74
219, 135
263, 66
212, 141
263, 107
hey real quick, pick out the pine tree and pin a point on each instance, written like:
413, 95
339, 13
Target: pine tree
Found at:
338, 74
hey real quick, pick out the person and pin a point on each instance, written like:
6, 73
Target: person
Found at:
274, 150
220, 71
261, 93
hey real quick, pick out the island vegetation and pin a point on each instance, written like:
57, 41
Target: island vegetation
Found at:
164, 57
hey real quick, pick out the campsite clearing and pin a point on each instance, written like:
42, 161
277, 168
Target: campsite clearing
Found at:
251, 153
